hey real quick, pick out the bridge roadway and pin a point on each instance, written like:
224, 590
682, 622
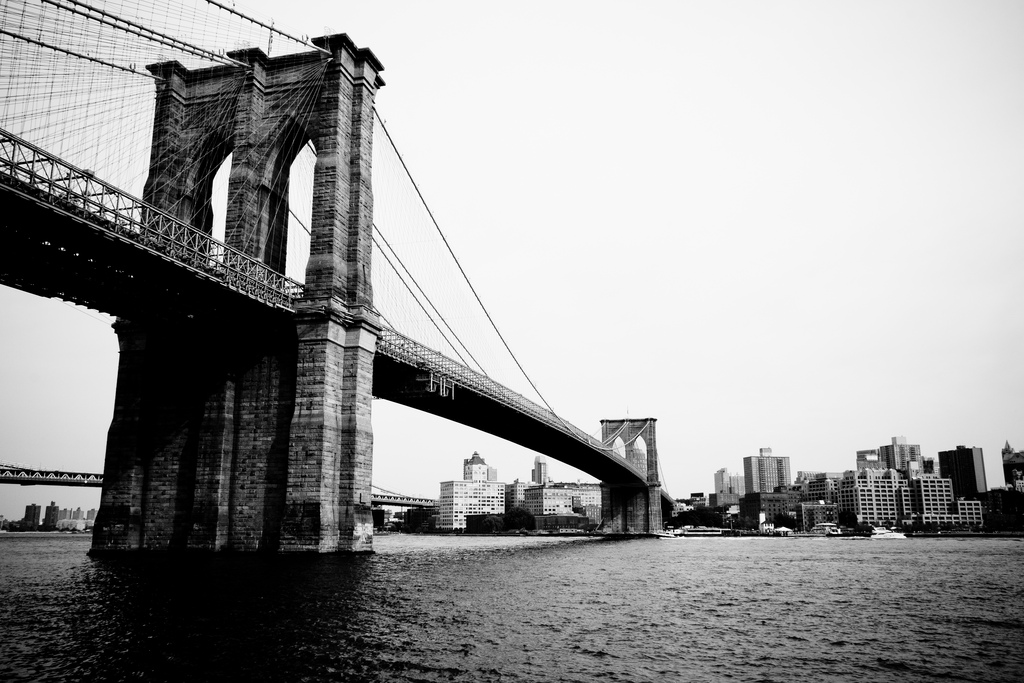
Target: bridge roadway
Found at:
70, 235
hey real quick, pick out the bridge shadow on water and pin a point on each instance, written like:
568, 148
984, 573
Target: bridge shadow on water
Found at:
424, 612
235, 617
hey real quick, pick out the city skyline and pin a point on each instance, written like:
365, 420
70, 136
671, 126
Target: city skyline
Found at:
92, 494
791, 225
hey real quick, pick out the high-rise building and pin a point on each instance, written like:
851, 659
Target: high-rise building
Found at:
868, 459
540, 470
477, 494
475, 469
461, 498
899, 454
875, 496
729, 488
966, 467
763, 472
815, 486
515, 495
1013, 468
50, 516
32, 514
886, 497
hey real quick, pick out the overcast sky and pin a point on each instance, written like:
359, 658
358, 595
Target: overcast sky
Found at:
795, 225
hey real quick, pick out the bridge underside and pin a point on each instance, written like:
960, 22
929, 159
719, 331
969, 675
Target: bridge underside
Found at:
208, 376
631, 506
199, 452
55, 253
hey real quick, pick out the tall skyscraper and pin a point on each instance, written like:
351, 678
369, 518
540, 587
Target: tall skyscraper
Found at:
966, 467
763, 472
540, 470
899, 454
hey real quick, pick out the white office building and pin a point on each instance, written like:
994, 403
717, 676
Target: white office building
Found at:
476, 494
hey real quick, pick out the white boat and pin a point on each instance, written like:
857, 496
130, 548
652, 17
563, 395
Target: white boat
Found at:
882, 532
701, 531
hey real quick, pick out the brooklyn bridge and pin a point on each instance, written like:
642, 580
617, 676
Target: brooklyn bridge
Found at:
252, 343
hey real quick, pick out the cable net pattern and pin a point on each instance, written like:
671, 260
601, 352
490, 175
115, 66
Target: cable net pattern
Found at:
74, 82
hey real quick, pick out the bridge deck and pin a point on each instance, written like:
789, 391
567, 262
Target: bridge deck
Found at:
83, 240
53, 194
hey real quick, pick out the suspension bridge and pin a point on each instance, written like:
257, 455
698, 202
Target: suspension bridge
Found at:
217, 199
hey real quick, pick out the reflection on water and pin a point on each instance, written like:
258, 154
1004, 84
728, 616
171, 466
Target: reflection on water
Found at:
519, 609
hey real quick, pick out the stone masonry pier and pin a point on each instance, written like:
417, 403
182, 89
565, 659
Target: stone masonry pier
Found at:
253, 432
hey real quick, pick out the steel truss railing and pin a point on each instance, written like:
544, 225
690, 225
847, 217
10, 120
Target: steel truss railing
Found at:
447, 374
13, 474
385, 499
27, 168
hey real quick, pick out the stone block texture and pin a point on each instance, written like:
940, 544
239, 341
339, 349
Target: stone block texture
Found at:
633, 509
252, 431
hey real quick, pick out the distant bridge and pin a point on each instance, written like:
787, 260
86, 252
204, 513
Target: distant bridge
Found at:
25, 475
30, 476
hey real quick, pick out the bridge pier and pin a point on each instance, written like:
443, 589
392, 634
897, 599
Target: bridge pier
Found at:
197, 449
330, 459
633, 508
251, 431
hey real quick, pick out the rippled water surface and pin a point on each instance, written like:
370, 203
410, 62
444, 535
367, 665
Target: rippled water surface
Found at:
520, 609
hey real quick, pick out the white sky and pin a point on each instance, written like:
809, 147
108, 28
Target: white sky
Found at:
796, 225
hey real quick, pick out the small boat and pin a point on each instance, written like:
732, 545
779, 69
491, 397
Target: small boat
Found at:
882, 532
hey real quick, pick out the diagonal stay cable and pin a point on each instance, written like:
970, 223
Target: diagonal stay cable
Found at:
417, 299
463, 272
428, 300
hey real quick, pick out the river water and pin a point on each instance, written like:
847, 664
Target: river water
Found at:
520, 609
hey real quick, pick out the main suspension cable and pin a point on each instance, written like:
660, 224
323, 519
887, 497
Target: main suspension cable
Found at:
462, 271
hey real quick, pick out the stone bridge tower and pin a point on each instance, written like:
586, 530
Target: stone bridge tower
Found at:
633, 509
249, 429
